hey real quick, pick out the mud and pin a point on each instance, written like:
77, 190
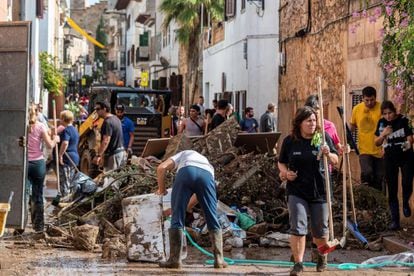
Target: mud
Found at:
37, 259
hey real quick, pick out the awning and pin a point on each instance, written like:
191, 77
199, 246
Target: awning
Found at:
83, 32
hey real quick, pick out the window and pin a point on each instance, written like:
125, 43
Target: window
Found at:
243, 5
356, 99
129, 22
133, 55
230, 8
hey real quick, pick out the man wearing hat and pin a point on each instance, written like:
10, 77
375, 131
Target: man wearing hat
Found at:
127, 128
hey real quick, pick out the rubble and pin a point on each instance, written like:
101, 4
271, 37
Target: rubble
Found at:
248, 188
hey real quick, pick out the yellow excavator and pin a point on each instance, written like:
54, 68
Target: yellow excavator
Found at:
147, 108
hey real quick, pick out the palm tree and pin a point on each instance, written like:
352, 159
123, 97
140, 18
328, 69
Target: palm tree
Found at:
187, 14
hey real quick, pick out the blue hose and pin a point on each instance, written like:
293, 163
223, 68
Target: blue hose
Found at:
344, 266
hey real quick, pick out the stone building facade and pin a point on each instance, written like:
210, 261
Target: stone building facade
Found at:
88, 18
322, 38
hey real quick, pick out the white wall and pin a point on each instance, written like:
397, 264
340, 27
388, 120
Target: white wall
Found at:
133, 9
258, 75
29, 14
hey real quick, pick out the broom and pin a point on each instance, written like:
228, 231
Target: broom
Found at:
332, 242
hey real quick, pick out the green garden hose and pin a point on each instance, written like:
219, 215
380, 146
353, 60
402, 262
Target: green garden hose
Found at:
344, 266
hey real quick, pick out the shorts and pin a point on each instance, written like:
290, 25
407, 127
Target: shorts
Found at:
300, 209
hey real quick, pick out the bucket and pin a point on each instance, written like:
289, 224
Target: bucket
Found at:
4, 210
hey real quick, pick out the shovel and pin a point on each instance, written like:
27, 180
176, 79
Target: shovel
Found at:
332, 242
56, 200
352, 226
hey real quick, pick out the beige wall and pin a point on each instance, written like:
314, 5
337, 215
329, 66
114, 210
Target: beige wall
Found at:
3, 10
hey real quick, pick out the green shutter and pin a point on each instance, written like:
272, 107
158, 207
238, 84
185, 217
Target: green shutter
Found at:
144, 39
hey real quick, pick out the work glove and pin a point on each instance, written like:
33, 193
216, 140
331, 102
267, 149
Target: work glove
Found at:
406, 146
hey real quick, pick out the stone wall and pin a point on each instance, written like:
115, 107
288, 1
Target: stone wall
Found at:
328, 49
88, 19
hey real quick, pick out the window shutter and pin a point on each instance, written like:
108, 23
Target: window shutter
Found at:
230, 8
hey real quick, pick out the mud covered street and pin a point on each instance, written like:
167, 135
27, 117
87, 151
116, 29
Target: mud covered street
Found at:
21, 258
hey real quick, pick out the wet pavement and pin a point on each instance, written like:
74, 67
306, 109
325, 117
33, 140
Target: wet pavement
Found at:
28, 258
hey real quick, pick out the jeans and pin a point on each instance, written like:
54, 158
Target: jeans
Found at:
193, 180
372, 171
36, 178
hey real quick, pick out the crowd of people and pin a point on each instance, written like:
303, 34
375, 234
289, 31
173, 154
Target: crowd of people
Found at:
202, 120
385, 140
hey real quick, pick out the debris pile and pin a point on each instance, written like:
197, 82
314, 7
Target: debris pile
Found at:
253, 211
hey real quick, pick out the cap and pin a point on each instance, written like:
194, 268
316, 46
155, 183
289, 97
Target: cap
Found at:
120, 107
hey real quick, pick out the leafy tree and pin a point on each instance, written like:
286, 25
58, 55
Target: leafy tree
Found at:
397, 56
53, 78
187, 14
100, 54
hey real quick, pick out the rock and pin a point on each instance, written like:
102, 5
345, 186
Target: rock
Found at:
84, 236
114, 248
119, 224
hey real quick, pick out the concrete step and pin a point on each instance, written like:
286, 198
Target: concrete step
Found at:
395, 245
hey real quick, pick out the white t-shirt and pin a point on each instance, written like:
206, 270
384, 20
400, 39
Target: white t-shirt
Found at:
191, 158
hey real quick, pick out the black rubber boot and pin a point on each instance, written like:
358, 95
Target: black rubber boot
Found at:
217, 241
406, 209
322, 262
176, 244
297, 269
395, 216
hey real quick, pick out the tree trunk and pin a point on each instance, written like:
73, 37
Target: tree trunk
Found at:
193, 68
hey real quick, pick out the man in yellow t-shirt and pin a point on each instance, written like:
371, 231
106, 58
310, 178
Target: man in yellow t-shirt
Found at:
365, 117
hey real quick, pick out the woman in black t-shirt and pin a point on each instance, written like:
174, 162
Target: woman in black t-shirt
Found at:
395, 135
300, 164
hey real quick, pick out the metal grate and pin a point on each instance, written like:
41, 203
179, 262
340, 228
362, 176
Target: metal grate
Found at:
356, 99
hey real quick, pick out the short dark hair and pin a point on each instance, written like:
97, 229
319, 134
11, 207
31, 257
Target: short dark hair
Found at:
388, 105
248, 109
209, 111
195, 107
312, 101
104, 105
222, 104
201, 97
369, 91
120, 107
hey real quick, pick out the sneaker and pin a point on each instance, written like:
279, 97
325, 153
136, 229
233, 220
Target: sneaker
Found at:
297, 269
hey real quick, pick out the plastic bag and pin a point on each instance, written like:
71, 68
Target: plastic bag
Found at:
405, 257
245, 221
82, 185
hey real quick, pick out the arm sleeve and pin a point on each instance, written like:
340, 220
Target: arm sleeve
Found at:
408, 130
65, 135
353, 116
377, 132
330, 143
284, 151
106, 129
131, 126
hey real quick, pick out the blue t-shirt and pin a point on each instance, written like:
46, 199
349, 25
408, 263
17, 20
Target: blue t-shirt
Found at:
127, 127
71, 135
249, 124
